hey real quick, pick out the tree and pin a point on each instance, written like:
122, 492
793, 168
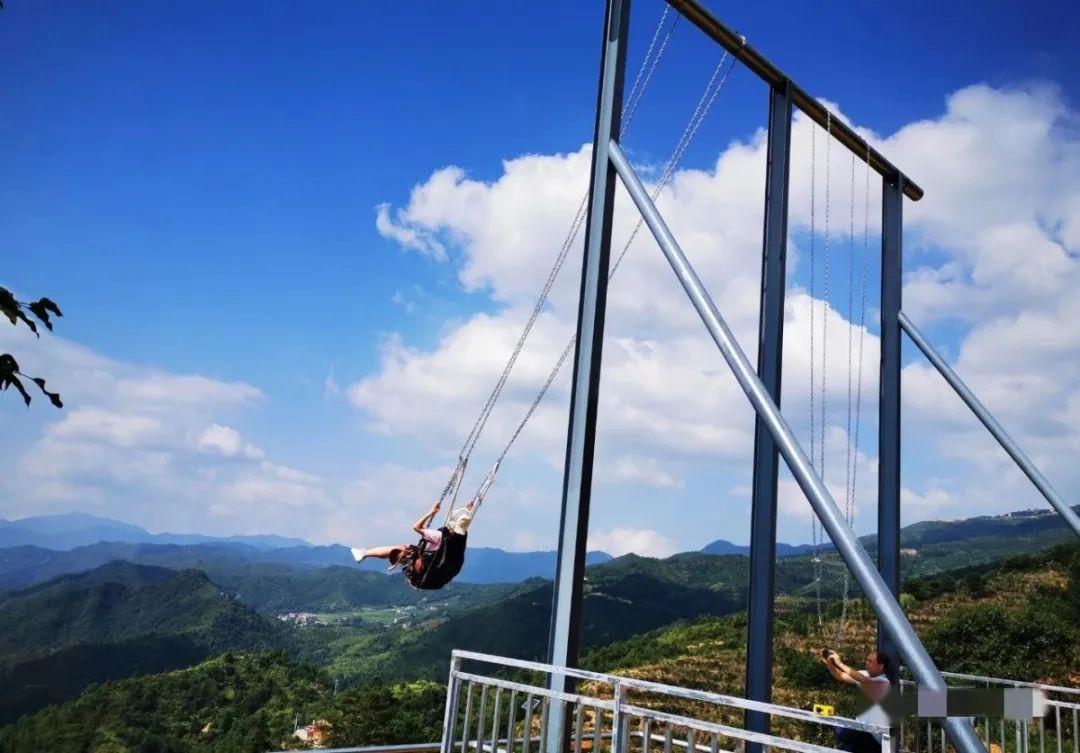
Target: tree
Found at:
16, 310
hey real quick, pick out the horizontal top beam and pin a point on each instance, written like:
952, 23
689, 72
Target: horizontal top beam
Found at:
760, 65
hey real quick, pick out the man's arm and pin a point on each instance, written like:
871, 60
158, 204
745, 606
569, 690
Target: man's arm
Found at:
424, 521
835, 671
854, 676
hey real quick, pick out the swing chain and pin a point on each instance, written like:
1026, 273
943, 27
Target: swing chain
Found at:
702, 109
649, 63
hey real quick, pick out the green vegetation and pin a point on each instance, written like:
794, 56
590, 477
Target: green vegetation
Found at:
1036, 636
232, 703
229, 704
678, 621
376, 713
43, 620
117, 621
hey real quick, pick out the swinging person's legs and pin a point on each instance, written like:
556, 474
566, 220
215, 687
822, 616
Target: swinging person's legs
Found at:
378, 552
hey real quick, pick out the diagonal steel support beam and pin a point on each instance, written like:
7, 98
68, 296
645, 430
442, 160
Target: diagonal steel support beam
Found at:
832, 518
1007, 443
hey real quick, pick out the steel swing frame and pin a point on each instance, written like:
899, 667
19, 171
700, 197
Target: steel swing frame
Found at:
773, 437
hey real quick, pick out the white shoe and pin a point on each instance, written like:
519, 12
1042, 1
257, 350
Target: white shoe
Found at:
358, 554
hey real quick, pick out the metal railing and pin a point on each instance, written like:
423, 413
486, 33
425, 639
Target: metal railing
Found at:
1004, 735
489, 714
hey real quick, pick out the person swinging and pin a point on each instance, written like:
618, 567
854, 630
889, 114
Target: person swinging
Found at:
437, 558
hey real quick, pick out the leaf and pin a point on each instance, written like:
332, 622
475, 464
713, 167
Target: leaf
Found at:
41, 313
29, 322
14, 380
8, 365
54, 397
48, 305
8, 305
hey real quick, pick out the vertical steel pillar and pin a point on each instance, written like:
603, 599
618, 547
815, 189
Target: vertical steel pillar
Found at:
577, 479
759, 653
888, 529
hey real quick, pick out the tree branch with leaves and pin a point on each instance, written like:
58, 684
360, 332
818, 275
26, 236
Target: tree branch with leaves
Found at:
15, 310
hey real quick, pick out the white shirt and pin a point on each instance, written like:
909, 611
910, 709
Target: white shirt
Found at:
875, 690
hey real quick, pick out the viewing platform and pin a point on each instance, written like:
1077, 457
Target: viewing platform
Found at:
501, 705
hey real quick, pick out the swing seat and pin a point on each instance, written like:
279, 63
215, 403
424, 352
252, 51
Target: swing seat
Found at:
439, 567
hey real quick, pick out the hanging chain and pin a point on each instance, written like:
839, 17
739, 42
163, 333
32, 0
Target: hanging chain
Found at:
817, 531
704, 105
825, 290
649, 64
850, 457
814, 523
859, 377
631, 102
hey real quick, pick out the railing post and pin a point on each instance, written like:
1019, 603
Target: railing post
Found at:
888, 524
450, 717
616, 720
759, 653
585, 389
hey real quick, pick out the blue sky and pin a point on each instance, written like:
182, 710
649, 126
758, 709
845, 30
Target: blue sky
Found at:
196, 184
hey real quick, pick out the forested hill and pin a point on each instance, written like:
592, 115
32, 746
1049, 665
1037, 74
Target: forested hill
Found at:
113, 622
1020, 618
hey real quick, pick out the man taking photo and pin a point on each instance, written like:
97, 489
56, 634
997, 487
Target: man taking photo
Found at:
873, 681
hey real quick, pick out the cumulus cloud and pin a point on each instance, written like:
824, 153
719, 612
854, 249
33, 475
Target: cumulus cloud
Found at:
407, 235
643, 541
636, 469
991, 266
144, 445
991, 248
227, 441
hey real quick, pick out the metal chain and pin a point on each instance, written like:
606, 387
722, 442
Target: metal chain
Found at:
631, 102
818, 533
702, 109
814, 523
636, 95
859, 378
849, 459
704, 105
825, 286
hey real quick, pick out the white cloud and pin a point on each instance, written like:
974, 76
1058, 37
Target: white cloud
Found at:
619, 541
227, 441
100, 424
407, 236
636, 469
144, 445
991, 252
993, 247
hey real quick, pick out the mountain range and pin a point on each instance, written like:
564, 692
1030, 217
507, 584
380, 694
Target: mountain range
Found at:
76, 529
47, 546
110, 610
